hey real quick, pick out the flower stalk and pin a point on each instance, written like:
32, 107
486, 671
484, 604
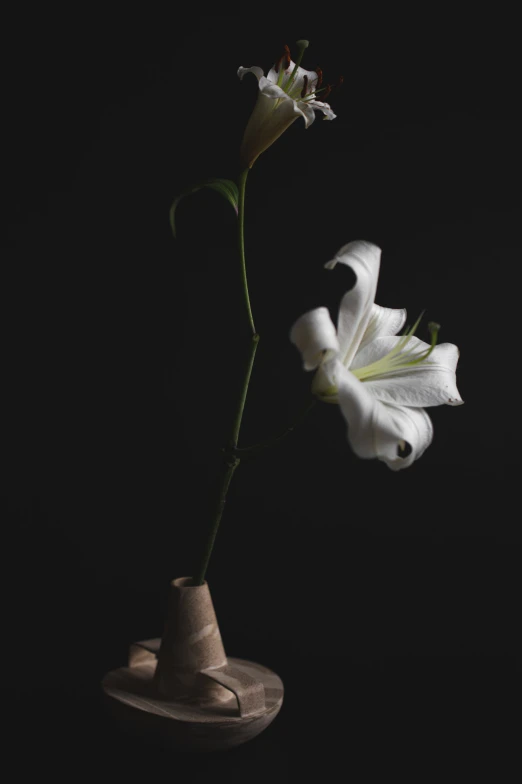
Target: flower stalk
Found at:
231, 461
241, 239
230, 454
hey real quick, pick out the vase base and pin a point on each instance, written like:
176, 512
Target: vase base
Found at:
186, 724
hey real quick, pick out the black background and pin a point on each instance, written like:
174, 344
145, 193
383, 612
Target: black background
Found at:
388, 603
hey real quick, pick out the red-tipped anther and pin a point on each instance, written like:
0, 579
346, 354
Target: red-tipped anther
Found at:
326, 93
319, 82
305, 86
286, 57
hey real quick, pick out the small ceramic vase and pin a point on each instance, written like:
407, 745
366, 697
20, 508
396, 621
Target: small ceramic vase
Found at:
183, 690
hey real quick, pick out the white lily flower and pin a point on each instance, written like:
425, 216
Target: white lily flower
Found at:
381, 382
288, 92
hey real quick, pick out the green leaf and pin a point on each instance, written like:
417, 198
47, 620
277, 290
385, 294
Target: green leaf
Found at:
227, 189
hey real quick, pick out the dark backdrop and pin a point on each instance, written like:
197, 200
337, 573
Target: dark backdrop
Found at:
393, 595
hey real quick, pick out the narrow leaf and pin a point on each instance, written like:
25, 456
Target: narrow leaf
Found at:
226, 188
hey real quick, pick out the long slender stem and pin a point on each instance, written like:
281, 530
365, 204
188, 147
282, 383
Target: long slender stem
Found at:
231, 459
231, 462
241, 225
231, 466
244, 392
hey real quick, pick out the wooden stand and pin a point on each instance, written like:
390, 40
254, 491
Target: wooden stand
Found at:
182, 690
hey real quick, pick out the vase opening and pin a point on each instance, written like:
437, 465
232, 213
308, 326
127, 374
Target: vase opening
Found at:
187, 582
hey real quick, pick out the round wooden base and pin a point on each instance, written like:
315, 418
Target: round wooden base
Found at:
209, 724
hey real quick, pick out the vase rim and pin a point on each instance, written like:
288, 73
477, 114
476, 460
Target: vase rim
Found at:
186, 582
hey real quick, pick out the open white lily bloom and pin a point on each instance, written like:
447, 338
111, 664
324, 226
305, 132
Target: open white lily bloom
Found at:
381, 381
288, 92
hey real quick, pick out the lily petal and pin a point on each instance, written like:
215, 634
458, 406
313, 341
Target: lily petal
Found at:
356, 306
383, 322
280, 98
378, 430
323, 107
255, 69
431, 382
267, 122
273, 114
323, 382
314, 335
299, 80
307, 110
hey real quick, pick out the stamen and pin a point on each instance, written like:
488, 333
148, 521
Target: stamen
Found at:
315, 92
399, 358
319, 81
434, 332
327, 90
303, 44
305, 86
286, 57
409, 331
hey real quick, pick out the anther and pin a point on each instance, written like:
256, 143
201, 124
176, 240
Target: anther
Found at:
319, 82
286, 57
305, 86
327, 91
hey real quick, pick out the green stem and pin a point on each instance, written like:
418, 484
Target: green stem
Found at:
244, 392
231, 459
241, 225
231, 465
